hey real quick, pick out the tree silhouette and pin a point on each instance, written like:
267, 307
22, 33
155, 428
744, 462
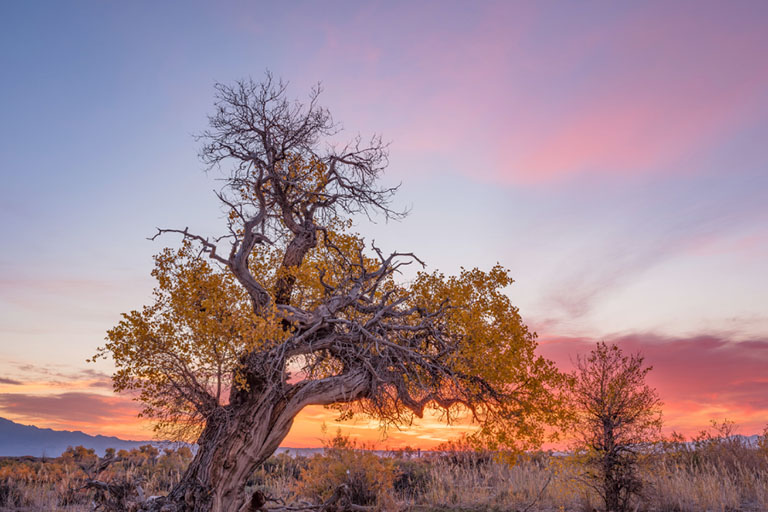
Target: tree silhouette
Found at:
616, 414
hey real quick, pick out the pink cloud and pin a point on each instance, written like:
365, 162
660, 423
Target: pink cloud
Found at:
62, 397
70, 408
661, 89
61, 376
635, 132
699, 378
502, 102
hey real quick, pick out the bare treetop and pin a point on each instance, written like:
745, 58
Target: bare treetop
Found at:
285, 184
259, 132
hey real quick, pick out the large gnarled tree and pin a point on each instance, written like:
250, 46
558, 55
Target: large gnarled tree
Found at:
287, 309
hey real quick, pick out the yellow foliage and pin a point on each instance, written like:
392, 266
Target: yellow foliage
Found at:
183, 353
188, 340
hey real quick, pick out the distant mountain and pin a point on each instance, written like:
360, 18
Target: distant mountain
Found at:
299, 452
18, 440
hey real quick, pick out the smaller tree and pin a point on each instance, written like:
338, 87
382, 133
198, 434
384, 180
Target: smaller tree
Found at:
616, 413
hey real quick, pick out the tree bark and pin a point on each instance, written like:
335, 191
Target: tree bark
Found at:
233, 444
236, 440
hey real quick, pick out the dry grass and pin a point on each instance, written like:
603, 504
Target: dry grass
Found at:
715, 474
29, 484
529, 484
670, 486
706, 486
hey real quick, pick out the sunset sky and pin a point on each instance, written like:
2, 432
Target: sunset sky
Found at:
612, 155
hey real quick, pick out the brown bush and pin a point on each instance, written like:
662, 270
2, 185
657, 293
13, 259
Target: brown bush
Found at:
369, 479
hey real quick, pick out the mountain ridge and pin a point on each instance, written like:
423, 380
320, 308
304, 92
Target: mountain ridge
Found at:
17, 440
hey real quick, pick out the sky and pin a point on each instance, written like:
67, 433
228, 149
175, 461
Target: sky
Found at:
612, 155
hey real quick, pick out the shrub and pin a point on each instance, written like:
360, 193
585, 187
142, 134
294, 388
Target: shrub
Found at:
369, 479
412, 478
11, 494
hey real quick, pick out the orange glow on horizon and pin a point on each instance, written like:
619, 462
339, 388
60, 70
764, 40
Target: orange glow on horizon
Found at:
733, 390
315, 425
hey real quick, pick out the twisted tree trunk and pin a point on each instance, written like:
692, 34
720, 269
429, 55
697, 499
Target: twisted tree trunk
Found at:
237, 439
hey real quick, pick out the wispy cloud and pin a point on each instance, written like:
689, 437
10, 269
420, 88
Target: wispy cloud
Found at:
544, 96
60, 374
35, 378
70, 408
617, 241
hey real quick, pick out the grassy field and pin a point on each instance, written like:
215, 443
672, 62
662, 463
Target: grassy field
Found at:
709, 474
